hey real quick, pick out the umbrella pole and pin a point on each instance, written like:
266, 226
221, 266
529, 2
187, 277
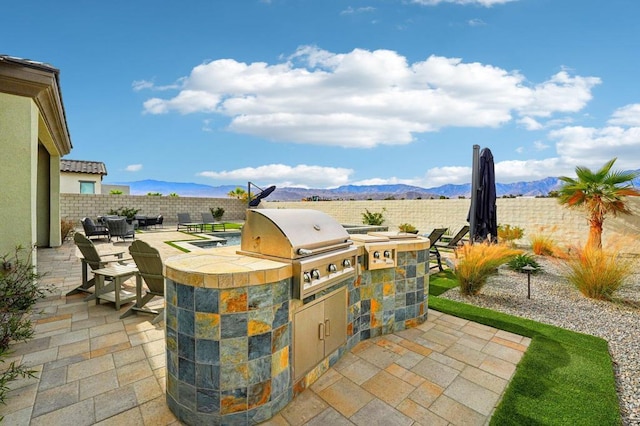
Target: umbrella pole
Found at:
474, 193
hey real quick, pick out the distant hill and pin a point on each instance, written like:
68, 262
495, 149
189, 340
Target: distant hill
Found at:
348, 192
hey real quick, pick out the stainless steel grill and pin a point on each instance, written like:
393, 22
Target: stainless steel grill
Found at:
318, 247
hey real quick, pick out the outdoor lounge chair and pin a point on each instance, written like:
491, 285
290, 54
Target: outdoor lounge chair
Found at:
184, 221
93, 230
450, 244
119, 228
207, 219
150, 268
92, 259
435, 237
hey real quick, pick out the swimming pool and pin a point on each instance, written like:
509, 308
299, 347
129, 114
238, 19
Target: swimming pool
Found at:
219, 239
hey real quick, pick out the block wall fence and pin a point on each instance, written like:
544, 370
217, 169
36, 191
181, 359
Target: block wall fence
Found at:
76, 206
534, 215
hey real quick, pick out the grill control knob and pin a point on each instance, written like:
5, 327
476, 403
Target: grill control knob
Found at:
346, 263
315, 274
332, 268
307, 277
387, 254
376, 255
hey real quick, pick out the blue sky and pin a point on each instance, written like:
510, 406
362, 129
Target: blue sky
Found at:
322, 93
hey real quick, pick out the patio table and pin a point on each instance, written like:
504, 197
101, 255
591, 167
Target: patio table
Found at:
113, 292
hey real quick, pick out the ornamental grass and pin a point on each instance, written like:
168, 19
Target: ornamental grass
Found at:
477, 262
597, 273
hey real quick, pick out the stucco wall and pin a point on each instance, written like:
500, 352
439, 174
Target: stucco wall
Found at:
18, 138
534, 215
70, 182
77, 206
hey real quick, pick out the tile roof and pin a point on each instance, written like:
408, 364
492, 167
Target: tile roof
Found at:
79, 166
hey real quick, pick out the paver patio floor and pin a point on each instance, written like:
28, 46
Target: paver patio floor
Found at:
94, 368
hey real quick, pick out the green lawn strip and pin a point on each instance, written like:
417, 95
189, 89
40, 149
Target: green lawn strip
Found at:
441, 282
564, 377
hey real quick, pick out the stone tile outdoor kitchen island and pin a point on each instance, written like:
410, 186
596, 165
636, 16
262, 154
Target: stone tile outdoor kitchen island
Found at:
232, 322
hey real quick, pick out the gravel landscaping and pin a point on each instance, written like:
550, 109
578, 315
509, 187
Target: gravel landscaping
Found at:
555, 301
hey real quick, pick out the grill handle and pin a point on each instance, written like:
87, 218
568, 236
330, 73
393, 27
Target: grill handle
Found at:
309, 252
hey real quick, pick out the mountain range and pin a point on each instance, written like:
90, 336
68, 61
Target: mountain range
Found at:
347, 192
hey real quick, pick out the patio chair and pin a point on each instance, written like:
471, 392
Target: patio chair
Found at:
93, 230
92, 259
119, 228
434, 237
207, 219
449, 244
184, 221
150, 268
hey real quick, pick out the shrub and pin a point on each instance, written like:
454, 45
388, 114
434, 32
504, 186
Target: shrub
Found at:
375, 218
477, 262
544, 245
217, 213
130, 213
19, 291
522, 260
67, 228
115, 192
597, 273
407, 227
508, 234
154, 194
173, 194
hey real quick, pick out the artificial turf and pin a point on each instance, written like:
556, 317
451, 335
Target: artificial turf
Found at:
564, 378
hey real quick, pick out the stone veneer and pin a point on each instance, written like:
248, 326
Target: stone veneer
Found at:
229, 340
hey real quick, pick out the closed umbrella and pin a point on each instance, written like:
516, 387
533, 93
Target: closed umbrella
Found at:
484, 207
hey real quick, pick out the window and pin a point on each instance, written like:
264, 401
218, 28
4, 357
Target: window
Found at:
87, 187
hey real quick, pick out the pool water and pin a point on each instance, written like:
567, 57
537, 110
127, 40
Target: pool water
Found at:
225, 240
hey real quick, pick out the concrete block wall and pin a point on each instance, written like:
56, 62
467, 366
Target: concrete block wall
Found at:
534, 215
76, 206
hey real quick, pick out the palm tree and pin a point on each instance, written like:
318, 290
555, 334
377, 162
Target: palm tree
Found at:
599, 193
238, 193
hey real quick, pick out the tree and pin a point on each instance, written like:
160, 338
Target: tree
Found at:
600, 193
238, 193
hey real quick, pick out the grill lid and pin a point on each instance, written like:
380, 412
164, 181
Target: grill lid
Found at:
291, 233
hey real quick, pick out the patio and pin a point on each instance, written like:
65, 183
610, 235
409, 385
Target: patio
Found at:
93, 368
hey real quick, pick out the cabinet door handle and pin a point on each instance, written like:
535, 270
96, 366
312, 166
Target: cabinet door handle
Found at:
327, 326
321, 331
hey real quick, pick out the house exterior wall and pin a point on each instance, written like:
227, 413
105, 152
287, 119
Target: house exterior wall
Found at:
19, 138
70, 182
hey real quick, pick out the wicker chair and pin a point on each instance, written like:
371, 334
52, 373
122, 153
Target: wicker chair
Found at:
119, 228
93, 230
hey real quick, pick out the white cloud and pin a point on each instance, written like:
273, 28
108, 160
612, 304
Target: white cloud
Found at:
530, 123
540, 146
520, 149
366, 98
133, 168
628, 115
281, 175
444, 175
485, 3
139, 85
476, 22
592, 147
561, 93
351, 10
